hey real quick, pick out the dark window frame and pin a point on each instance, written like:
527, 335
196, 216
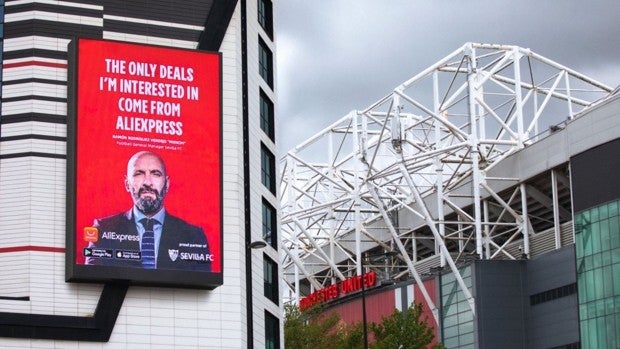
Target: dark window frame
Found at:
269, 224
267, 116
270, 279
265, 62
272, 331
553, 294
264, 13
267, 168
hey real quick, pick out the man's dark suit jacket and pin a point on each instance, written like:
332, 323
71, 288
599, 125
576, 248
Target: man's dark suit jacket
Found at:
181, 246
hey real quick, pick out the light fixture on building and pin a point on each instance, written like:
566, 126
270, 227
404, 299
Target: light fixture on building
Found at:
258, 244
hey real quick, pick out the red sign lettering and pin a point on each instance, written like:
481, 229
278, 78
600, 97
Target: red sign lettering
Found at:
328, 293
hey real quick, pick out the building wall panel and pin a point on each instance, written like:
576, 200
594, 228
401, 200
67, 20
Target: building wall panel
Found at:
586, 170
377, 305
555, 322
500, 304
192, 12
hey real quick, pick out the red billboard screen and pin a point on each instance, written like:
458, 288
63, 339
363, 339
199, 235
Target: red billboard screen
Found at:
144, 165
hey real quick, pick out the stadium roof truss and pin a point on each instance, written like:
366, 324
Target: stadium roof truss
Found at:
408, 179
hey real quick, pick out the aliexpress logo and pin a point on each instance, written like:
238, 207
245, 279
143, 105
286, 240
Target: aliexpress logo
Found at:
91, 234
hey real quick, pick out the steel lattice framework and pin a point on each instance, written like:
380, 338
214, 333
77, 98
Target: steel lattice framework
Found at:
410, 173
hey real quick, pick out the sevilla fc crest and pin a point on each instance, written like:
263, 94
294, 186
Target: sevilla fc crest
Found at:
174, 254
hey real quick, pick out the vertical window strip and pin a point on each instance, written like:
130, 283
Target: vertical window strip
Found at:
265, 16
268, 167
272, 331
266, 115
269, 224
265, 62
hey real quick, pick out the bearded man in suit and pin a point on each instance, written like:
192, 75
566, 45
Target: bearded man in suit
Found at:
147, 236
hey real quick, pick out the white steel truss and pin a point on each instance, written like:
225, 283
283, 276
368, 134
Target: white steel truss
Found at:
410, 173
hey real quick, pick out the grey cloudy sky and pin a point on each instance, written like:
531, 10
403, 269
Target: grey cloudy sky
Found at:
334, 56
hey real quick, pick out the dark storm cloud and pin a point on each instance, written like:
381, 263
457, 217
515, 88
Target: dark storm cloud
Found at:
336, 56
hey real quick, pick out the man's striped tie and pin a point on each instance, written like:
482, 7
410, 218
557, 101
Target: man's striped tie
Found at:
147, 246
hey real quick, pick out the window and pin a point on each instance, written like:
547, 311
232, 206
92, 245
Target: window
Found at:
266, 115
597, 249
269, 225
270, 272
268, 169
555, 293
458, 319
265, 62
272, 331
265, 16
576, 345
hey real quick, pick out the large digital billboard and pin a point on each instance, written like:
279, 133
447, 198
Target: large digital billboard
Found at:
144, 165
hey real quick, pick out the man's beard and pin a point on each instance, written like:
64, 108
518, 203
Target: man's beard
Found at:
149, 205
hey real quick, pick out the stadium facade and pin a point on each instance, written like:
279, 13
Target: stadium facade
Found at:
237, 305
483, 187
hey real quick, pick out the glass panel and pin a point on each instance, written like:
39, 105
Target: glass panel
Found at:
261, 13
596, 237
447, 278
590, 310
449, 310
599, 275
592, 338
578, 221
457, 316
614, 232
594, 215
582, 290
465, 272
610, 307
266, 115
602, 332
598, 282
596, 260
467, 327
615, 255
269, 225
617, 323
264, 15
467, 338
604, 233
578, 248
451, 342
586, 216
606, 258
450, 321
267, 169
586, 238
589, 286
587, 263
463, 307
613, 209
272, 331
583, 312
616, 277
584, 330
603, 212
608, 290
610, 324
265, 62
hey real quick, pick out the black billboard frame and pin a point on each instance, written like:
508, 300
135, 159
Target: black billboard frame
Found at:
126, 275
